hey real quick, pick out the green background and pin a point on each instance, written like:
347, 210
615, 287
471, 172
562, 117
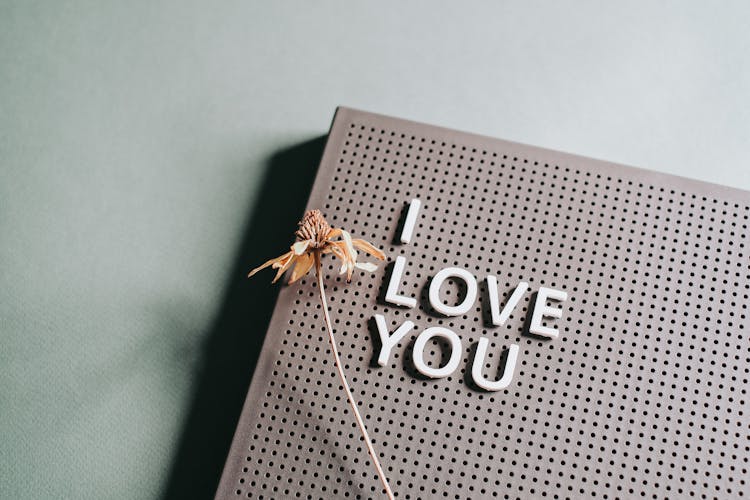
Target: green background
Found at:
152, 152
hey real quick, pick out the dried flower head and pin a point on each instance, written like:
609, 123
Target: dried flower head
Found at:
316, 235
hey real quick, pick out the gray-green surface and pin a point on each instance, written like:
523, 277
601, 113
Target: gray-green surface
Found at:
144, 159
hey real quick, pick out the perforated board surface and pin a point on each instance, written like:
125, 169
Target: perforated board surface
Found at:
643, 394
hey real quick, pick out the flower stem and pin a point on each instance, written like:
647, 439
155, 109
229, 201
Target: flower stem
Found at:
360, 422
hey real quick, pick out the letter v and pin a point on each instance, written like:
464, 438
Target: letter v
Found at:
499, 318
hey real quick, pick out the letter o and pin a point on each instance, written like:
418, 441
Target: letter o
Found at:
471, 291
421, 342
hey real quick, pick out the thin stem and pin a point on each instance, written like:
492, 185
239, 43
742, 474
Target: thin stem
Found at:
360, 422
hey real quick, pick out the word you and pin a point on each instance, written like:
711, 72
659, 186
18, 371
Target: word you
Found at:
389, 340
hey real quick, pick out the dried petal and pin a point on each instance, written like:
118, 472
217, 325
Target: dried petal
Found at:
351, 254
366, 266
348, 241
299, 247
304, 263
336, 250
269, 263
283, 266
339, 250
368, 247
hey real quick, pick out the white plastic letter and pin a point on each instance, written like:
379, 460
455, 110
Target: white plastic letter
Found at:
411, 219
542, 310
499, 318
387, 340
471, 291
476, 368
421, 342
391, 294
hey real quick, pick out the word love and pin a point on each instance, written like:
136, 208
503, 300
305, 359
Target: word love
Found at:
499, 316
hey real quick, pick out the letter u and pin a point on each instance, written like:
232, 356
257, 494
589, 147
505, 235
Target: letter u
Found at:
476, 367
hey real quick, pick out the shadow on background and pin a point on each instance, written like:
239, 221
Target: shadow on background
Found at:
236, 336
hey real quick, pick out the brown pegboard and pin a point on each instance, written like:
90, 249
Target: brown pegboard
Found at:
643, 394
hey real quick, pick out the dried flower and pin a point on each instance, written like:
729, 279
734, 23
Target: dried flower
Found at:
316, 237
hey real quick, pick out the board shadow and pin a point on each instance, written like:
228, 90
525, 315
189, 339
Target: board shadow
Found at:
235, 338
